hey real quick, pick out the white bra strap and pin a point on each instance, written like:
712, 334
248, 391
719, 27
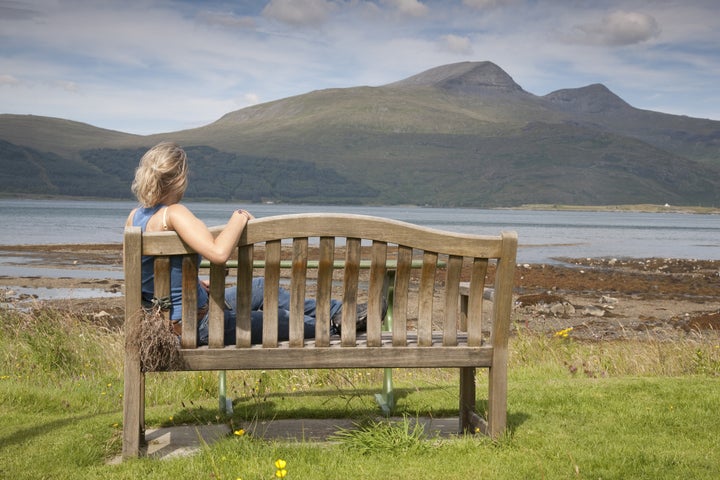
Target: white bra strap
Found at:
165, 225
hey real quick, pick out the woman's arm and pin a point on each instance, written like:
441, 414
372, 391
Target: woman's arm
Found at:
196, 234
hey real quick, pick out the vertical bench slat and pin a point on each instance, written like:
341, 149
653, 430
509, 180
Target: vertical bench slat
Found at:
425, 295
350, 287
452, 294
475, 299
270, 300
189, 301
378, 268
216, 318
400, 296
324, 291
467, 398
133, 391
463, 313
243, 293
297, 292
162, 278
161, 283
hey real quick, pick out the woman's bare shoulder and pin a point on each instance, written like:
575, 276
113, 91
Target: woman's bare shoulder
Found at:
128, 222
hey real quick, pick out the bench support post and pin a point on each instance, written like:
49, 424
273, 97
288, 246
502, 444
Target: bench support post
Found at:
224, 403
134, 378
386, 399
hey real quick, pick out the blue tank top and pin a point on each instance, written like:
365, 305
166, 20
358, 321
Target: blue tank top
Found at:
140, 219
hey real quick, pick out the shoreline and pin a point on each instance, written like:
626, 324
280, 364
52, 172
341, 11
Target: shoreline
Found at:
640, 207
600, 298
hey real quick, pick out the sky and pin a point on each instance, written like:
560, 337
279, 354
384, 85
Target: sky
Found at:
149, 67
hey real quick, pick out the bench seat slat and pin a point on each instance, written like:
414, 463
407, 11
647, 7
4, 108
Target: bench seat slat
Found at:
336, 357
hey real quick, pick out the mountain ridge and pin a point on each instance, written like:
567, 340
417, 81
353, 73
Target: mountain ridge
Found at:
463, 134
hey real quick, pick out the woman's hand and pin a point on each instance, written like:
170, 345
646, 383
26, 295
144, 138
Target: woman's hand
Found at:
245, 213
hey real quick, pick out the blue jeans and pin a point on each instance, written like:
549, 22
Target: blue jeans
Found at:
256, 315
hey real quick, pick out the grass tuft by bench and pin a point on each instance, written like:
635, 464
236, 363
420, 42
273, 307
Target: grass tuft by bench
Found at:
436, 311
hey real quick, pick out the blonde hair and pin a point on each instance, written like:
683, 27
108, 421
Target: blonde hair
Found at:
161, 175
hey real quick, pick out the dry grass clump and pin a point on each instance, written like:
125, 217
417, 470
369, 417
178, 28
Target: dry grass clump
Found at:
157, 343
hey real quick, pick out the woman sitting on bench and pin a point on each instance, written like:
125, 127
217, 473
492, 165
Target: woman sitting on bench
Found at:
160, 182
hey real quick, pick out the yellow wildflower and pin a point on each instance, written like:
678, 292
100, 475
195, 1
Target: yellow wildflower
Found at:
564, 332
280, 464
239, 432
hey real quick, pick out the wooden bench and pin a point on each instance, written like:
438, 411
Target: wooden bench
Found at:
425, 339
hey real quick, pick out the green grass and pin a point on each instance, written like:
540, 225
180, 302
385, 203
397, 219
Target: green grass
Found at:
576, 410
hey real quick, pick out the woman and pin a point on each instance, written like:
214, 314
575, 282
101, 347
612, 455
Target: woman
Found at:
159, 185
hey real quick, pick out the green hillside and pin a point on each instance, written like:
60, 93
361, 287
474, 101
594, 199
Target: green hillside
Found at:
458, 135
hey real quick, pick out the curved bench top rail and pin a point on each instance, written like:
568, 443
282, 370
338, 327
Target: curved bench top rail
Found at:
342, 225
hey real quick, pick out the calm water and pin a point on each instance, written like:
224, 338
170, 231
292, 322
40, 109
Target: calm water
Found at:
544, 236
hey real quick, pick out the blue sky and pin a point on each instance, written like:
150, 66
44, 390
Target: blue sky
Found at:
159, 66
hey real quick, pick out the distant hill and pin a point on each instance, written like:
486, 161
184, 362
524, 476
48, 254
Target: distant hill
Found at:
456, 135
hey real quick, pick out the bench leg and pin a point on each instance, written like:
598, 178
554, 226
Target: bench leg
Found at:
467, 399
497, 399
133, 410
470, 421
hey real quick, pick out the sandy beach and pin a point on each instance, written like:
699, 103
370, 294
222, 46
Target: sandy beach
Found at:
601, 299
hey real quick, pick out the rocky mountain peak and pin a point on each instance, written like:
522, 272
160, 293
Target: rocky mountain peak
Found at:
465, 77
595, 98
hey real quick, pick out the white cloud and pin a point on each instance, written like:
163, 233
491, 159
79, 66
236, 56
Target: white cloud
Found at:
619, 28
228, 20
299, 12
412, 8
456, 44
484, 4
250, 99
8, 80
71, 87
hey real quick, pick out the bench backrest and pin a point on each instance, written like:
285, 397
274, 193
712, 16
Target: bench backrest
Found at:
310, 241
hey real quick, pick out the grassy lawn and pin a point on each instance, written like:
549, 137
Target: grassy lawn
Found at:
596, 411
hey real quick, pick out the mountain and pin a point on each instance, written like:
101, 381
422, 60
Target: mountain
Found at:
464, 134
473, 78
